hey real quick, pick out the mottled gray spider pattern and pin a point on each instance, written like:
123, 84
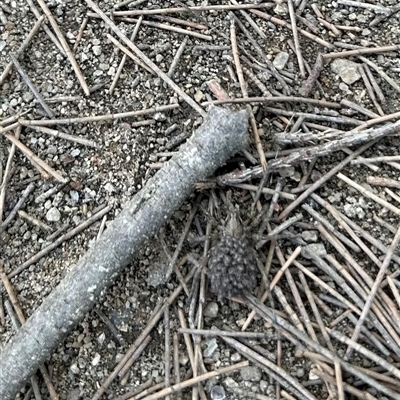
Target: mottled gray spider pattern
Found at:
232, 265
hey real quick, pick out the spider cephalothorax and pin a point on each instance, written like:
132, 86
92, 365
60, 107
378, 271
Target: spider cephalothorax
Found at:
232, 265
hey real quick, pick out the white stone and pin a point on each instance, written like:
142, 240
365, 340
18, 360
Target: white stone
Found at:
347, 70
53, 215
280, 60
96, 50
108, 187
96, 359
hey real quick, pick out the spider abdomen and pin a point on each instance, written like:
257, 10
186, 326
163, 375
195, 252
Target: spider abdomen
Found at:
232, 266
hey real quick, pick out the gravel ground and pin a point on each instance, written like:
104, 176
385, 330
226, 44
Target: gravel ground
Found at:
127, 155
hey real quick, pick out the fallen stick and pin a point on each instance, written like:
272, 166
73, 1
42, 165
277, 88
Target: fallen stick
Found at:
222, 134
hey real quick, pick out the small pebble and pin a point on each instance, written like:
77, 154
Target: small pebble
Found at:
230, 383
108, 187
52, 150
211, 310
346, 69
235, 357
309, 236
317, 249
53, 215
211, 347
280, 60
252, 374
96, 50
74, 394
217, 393
96, 359
74, 196
74, 369
75, 153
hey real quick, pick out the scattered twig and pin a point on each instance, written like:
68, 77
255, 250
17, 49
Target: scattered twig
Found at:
369, 194
361, 394
147, 60
292, 333
131, 3
153, 320
374, 289
65, 45
171, 28
173, 10
19, 204
393, 195
34, 159
280, 228
34, 221
10, 127
65, 136
285, 24
80, 34
111, 327
178, 248
167, 356
135, 355
123, 59
323, 179
179, 21
177, 57
318, 217
22, 320
296, 39
22, 48
315, 117
374, 85
385, 76
359, 108
7, 175
194, 381
286, 265
217, 332
106, 117
321, 103
381, 181
392, 339
379, 18
394, 289
369, 6
247, 17
60, 240
176, 364
243, 88
48, 31
335, 145
312, 79
129, 54
279, 374
357, 52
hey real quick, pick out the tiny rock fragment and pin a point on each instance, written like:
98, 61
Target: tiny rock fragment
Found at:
53, 215
252, 374
96, 50
309, 236
211, 347
280, 60
211, 310
347, 70
109, 187
314, 249
281, 9
217, 393
198, 96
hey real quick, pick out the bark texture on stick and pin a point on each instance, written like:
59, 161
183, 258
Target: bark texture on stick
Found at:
222, 134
